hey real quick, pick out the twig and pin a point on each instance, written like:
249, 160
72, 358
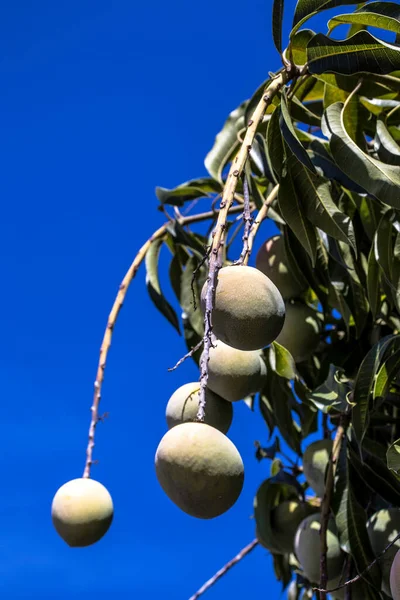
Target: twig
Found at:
112, 318
262, 213
246, 550
325, 506
248, 220
227, 198
188, 355
360, 575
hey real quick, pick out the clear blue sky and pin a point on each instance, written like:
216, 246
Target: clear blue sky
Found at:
100, 102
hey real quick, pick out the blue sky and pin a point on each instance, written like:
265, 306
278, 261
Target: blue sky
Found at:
100, 102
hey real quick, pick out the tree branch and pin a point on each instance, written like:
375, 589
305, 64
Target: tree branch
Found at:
326, 506
247, 219
360, 575
187, 355
235, 172
262, 214
244, 552
112, 318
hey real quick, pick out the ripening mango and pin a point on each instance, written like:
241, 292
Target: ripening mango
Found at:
184, 403
199, 469
234, 374
82, 511
249, 311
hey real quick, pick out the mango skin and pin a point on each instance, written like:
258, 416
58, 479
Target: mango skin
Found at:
307, 548
301, 331
82, 511
199, 469
395, 577
249, 311
183, 405
272, 261
285, 519
315, 461
382, 527
234, 374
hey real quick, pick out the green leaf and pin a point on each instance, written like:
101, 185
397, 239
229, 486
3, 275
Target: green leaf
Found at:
377, 178
376, 476
302, 113
282, 568
196, 188
373, 284
372, 84
356, 297
190, 294
268, 496
280, 396
267, 412
226, 143
322, 159
383, 15
298, 45
364, 385
153, 284
188, 239
290, 136
351, 518
359, 541
307, 8
361, 52
393, 457
386, 374
383, 246
275, 150
290, 205
386, 147
281, 361
315, 194
370, 213
332, 393
277, 18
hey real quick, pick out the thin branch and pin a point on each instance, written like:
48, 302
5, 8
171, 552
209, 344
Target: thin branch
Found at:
112, 318
248, 220
228, 195
262, 214
361, 575
244, 552
326, 505
188, 355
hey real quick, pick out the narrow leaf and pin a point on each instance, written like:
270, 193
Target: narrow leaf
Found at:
387, 148
281, 361
373, 284
383, 15
377, 178
315, 193
307, 8
361, 52
226, 143
153, 284
292, 211
290, 136
393, 457
275, 150
197, 188
364, 385
277, 18
386, 375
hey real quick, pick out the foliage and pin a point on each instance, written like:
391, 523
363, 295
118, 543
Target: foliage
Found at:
330, 139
